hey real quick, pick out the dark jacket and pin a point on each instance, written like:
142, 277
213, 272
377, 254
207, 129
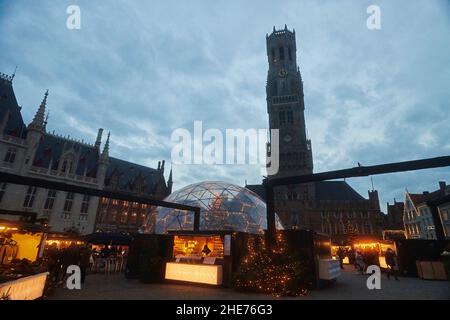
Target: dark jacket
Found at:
85, 254
390, 258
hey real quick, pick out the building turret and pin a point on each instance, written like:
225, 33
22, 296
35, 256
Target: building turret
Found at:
98, 141
170, 182
35, 131
103, 163
38, 123
374, 200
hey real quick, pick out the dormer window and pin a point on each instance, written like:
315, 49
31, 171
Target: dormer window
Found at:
64, 166
67, 165
10, 156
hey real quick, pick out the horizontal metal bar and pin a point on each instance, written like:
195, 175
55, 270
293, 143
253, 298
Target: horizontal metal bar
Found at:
364, 171
55, 185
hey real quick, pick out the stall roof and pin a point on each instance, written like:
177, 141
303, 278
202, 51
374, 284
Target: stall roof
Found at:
25, 216
24, 226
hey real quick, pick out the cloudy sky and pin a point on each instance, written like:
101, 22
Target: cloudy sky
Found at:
144, 68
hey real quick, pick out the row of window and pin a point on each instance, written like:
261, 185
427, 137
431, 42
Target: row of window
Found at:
68, 216
67, 165
340, 215
281, 53
293, 156
286, 117
49, 203
124, 217
340, 229
120, 203
292, 195
50, 200
414, 228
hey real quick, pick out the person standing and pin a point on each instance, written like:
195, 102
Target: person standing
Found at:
359, 261
85, 255
391, 261
351, 257
70, 256
341, 255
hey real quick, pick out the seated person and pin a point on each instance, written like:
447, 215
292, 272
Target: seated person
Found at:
206, 251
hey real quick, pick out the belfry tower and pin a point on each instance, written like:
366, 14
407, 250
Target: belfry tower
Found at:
285, 106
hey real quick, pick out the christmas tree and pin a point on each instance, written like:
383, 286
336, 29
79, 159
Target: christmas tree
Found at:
272, 270
351, 233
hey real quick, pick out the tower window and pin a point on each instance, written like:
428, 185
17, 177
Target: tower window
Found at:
281, 51
290, 53
64, 166
290, 116
273, 55
282, 117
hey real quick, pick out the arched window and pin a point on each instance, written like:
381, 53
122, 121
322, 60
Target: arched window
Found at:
290, 116
290, 53
282, 117
64, 166
273, 55
10, 155
68, 163
281, 52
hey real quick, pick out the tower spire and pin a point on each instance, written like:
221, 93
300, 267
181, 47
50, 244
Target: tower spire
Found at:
39, 118
14, 74
170, 181
105, 153
98, 141
46, 120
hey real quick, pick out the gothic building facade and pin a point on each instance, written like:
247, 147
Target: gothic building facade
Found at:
332, 207
30, 150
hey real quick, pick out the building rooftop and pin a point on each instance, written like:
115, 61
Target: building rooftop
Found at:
324, 191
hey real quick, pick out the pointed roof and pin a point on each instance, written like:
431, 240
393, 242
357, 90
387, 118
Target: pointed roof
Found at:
14, 124
325, 190
125, 174
39, 118
170, 177
105, 153
52, 148
419, 198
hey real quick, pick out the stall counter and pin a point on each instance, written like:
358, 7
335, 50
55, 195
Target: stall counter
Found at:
197, 273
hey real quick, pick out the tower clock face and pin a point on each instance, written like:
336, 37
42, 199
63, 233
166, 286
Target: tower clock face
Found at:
283, 73
287, 138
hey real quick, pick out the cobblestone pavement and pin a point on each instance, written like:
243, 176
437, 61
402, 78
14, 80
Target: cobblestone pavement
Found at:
348, 286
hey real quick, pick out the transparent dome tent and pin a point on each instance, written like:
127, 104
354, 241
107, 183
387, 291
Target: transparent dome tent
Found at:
223, 207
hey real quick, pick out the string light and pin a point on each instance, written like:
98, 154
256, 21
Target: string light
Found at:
275, 271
